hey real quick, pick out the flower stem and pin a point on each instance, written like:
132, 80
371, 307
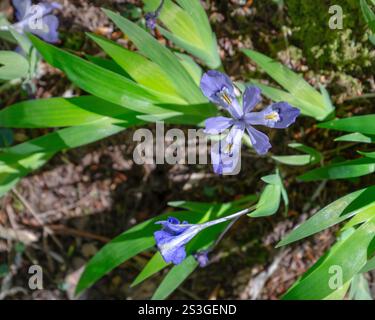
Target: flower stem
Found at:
227, 218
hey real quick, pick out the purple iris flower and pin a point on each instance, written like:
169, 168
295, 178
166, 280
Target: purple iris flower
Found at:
37, 19
174, 236
219, 89
202, 258
151, 17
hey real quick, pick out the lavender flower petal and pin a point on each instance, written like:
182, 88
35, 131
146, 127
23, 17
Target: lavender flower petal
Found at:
278, 115
217, 125
173, 226
287, 114
171, 240
151, 20
259, 140
251, 98
219, 89
202, 258
21, 7
48, 32
213, 82
225, 155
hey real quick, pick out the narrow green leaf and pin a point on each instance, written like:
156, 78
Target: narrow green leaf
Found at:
175, 277
366, 213
59, 112
342, 170
294, 83
357, 137
64, 139
347, 258
336, 212
151, 48
141, 69
361, 124
154, 265
359, 289
369, 266
12, 65
300, 160
269, 201
367, 154
100, 82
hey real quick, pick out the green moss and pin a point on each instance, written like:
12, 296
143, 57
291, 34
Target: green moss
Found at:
347, 50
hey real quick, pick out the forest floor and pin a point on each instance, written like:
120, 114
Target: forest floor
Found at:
85, 197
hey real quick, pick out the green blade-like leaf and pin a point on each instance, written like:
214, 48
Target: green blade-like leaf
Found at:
64, 139
269, 201
369, 266
346, 258
107, 64
359, 289
356, 137
191, 67
342, 170
367, 154
365, 214
141, 69
300, 160
100, 82
59, 112
368, 14
62, 112
13, 171
151, 48
189, 28
294, 83
12, 65
154, 265
361, 124
336, 212
175, 277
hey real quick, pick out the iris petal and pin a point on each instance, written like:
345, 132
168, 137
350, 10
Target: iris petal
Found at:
48, 32
259, 140
22, 7
217, 125
226, 153
251, 98
287, 114
213, 82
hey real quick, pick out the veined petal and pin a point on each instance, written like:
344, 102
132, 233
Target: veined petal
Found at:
287, 114
259, 140
21, 7
219, 89
278, 115
214, 82
251, 98
41, 9
233, 141
217, 125
226, 153
46, 28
